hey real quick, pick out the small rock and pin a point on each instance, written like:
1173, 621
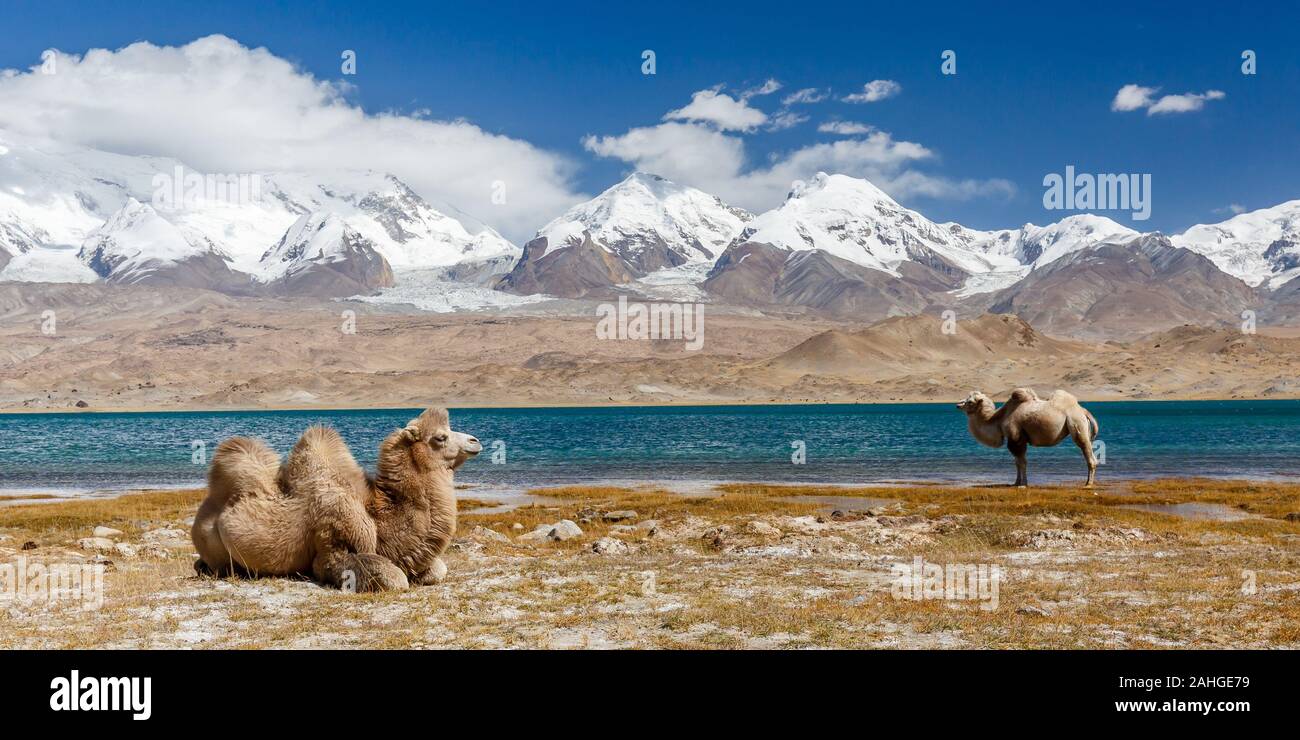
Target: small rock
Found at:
29, 545
126, 550
609, 546
762, 529
95, 543
619, 516
483, 533
649, 526
155, 552
1293, 516
876, 511
517, 527
104, 561
166, 536
1035, 611
563, 530
102, 531
82, 405
717, 537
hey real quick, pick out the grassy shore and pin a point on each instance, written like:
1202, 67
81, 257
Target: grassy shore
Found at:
752, 565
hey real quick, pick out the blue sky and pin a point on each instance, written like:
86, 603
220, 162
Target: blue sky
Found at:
1032, 93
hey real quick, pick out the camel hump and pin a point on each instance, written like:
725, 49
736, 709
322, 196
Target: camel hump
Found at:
320, 451
1062, 398
243, 466
1023, 395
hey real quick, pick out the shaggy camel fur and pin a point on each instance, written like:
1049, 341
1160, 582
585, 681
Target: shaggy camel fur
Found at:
1025, 419
319, 513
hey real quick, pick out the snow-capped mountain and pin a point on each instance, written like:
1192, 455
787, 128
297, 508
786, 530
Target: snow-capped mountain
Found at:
54, 195
1034, 246
322, 255
651, 223
854, 220
1260, 247
136, 246
643, 225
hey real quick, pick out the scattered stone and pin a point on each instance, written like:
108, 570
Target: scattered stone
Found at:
609, 546
717, 537
619, 516
155, 552
517, 527
483, 533
29, 545
649, 526
166, 536
82, 405
762, 529
563, 530
559, 531
104, 561
102, 531
126, 550
1033, 610
95, 543
876, 511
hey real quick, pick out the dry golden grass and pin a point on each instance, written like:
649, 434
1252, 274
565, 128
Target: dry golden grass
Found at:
1181, 584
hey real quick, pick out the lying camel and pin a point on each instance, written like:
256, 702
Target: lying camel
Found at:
1025, 419
318, 513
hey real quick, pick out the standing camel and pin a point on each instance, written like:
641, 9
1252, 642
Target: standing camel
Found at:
1025, 419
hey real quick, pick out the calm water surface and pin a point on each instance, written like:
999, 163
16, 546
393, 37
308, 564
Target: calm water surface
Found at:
848, 443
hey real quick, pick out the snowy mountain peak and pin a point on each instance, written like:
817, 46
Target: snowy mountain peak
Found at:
1260, 247
854, 220
650, 221
1036, 246
840, 190
135, 242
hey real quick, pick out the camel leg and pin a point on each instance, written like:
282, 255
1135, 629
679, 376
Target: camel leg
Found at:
1022, 464
436, 572
358, 572
1083, 439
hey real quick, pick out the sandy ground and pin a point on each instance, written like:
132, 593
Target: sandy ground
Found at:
146, 349
748, 566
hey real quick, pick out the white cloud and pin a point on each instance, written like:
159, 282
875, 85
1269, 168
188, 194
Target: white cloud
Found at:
719, 109
1134, 97
1185, 103
845, 128
715, 162
1235, 209
221, 107
767, 88
784, 119
807, 95
875, 91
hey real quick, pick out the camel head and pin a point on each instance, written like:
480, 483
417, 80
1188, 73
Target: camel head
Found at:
976, 401
433, 428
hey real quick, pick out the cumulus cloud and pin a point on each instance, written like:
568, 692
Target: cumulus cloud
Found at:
716, 162
1132, 97
1184, 103
845, 128
719, 109
807, 95
219, 106
875, 91
1135, 97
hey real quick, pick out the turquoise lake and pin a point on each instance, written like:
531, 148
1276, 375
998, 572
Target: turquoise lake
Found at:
845, 443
